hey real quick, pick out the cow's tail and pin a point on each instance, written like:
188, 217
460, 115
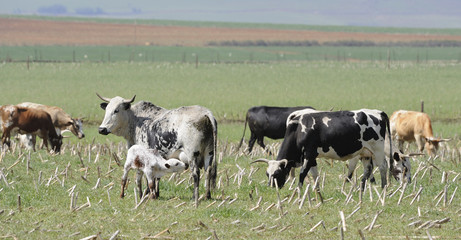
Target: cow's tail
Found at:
214, 164
391, 159
244, 129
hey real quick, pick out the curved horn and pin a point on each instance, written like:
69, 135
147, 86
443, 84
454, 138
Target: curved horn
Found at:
104, 98
416, 154
260, 160
129, 101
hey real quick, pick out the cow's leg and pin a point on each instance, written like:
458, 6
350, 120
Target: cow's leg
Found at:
151, 184
351, 168
367, 169
382, 165
307, 165
33, 140
156, 187
420, 141
251, 143
124, 178
196, 177
261, 143
139, 174
6, 137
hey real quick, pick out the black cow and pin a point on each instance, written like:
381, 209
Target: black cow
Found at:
338, 135
266, 121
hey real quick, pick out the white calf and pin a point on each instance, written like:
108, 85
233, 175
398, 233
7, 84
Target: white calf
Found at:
150, 163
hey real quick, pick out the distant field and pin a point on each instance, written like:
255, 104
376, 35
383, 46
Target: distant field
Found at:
24, 31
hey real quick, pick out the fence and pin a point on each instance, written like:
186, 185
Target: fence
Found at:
225, 54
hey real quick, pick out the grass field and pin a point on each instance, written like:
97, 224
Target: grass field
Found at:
243, 207
215, 54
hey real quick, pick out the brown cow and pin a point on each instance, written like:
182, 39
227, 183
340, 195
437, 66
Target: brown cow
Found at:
412, 126
61, 120
29, 120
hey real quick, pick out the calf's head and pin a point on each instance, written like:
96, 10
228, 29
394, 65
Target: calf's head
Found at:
276, 170
56, 143
117, 116
76, 127
175, 165
402, 166
432, 144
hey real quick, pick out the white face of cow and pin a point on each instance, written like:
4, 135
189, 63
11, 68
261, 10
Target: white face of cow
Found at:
77, 128
117, 117
276, 170
402, 168
174, 165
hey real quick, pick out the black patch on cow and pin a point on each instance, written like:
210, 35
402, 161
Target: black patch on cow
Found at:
162, 139
369, 134
362, 118
375, 119
342, 133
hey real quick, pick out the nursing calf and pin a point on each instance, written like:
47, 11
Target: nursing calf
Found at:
150, 163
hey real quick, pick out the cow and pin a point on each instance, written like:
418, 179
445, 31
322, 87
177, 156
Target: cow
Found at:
61, 120
152, 164
410, 126
185, 133
397, 156
266, 121
29, 120
339, 135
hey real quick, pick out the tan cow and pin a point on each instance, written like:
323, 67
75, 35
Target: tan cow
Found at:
61, 120
29, 120
409, 126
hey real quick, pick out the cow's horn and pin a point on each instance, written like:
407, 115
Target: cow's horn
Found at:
416, 154
103, 98
260, 160
129, 101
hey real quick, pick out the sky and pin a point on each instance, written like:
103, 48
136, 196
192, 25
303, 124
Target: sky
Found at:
382, 13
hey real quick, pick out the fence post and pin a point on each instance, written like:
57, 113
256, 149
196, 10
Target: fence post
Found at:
28, 59
388, 58
422, 106
196, 60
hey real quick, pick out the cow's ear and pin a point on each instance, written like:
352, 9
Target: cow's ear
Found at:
126, 106
103, 105
167, 165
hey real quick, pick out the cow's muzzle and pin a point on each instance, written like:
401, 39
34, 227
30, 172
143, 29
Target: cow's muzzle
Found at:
103, 131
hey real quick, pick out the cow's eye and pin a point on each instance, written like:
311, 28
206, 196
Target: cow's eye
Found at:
116, 111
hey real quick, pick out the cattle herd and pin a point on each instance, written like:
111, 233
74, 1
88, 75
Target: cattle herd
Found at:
171, 140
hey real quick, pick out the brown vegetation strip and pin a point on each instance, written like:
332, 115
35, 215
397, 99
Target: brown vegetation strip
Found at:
14, 32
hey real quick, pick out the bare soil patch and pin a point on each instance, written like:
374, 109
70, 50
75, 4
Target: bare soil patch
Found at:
14, 32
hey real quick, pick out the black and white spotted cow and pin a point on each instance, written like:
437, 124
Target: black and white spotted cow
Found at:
186, 133
340, 135
266, 121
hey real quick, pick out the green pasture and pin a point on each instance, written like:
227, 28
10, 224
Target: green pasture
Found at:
222, 54
36, 189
